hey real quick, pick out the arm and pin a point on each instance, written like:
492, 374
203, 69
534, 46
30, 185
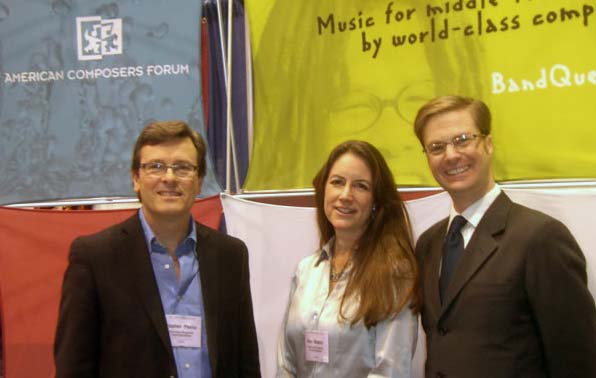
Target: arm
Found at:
286, 361
249, 347
395, 344
563, 307
76, 346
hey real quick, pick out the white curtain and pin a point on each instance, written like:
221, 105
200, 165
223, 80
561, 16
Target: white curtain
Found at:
279, 236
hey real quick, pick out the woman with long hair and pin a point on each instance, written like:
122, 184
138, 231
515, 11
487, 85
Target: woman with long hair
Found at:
353, 303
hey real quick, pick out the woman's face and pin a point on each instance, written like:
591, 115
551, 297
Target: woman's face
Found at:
349, 195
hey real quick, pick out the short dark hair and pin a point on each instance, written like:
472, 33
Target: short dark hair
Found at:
164, 131
444, 104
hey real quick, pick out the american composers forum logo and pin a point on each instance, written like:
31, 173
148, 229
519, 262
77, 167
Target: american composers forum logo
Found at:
97, 37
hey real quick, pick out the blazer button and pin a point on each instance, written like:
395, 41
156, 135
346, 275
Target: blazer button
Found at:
442, 331
441, 375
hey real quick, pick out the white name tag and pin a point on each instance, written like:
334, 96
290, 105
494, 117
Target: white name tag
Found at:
185, 330
316, 345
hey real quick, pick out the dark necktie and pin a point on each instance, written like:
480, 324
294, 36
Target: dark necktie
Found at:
452, 252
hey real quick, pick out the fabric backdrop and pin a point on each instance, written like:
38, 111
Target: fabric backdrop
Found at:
34, 248
327, 71
279, 236
79, 80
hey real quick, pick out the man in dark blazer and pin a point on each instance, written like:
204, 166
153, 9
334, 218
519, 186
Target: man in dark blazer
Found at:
158, 295
505, 293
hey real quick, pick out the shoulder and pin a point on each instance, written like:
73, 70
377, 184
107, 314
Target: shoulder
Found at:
311, 260
531, 220
431, 233
518, 223
106, 247
545, 239
523, 212
308, 263
131, 227
309, 269
220, 240
434, 229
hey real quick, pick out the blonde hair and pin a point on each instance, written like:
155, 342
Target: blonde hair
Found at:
444, 104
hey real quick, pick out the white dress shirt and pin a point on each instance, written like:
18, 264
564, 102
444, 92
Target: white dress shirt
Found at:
385, 350
474, 213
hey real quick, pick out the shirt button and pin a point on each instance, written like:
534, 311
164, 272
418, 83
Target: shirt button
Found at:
178, 298
443, 331
187, 365
167, 266
314, 316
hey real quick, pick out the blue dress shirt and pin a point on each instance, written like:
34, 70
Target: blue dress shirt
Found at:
182, 297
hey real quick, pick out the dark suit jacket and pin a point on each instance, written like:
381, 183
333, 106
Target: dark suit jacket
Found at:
111, 322
517, 305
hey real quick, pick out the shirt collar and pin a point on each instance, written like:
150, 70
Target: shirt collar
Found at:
474, 213
325, 251
153, 245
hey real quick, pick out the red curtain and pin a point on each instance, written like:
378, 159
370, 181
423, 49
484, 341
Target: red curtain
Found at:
34, 248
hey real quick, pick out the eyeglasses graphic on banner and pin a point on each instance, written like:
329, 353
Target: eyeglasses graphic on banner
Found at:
97, 37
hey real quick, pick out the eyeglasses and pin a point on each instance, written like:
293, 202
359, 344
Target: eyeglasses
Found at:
459, 143
158, 169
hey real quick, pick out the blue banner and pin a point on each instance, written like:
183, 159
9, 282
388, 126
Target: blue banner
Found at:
79, 80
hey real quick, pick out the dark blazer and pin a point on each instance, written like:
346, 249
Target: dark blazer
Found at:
111, 322
517, 305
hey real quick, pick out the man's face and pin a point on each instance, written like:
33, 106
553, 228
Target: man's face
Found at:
464, 172
167, 197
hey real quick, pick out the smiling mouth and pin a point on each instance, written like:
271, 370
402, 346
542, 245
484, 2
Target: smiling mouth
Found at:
345, 211
169, 193
457, 170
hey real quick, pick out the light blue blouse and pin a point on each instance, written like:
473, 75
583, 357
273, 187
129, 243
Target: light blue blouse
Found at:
385, 350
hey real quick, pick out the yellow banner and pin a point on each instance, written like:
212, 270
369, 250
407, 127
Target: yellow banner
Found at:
330, 70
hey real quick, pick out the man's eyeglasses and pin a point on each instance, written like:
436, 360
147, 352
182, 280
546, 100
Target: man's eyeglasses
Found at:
459, 142
158, 169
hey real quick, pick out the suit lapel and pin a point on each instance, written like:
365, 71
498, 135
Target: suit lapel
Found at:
479, 249
207, 256
134, 245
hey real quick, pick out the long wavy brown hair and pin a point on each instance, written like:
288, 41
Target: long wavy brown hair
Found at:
384, 276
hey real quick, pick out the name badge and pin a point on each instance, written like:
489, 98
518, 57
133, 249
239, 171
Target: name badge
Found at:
316, 345
185, 330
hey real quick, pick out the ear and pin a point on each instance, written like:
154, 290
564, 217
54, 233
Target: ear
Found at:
136, 186
488, 144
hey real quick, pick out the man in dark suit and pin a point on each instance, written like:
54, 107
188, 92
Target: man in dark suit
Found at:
504, 291
158, 295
